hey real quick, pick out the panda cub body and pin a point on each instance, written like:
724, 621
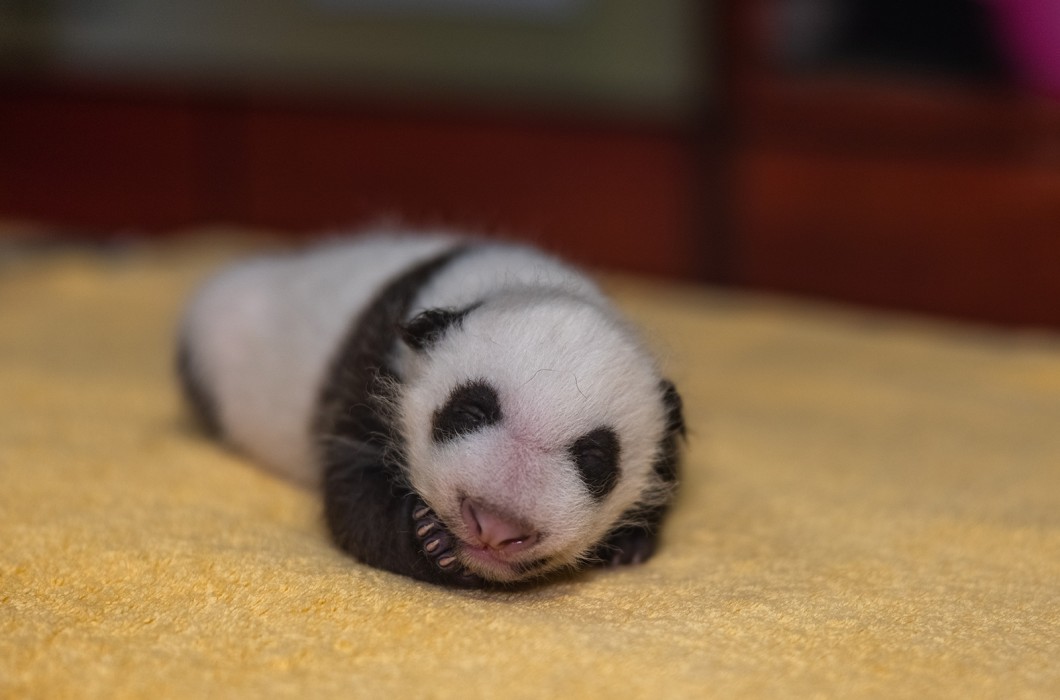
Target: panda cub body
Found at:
475, 413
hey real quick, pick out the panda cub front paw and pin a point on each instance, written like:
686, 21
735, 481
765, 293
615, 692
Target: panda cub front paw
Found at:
630, 545
438, 545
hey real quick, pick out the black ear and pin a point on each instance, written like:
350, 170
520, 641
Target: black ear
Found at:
675, 418
666, 462
427, 327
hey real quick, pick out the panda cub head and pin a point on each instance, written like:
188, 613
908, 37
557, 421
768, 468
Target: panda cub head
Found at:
533, 424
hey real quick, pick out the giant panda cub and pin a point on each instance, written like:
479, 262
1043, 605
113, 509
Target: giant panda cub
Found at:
475, 413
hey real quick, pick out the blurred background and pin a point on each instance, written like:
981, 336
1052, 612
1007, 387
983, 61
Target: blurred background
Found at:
893, 153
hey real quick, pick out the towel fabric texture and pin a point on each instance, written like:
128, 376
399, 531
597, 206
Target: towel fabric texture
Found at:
870, 507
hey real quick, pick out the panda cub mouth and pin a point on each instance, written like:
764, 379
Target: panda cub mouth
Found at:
492, 538
486, 542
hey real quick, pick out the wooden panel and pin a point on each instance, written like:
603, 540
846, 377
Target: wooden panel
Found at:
77, 161
890, 189
891, 116
609, 196
105, 158
972, 239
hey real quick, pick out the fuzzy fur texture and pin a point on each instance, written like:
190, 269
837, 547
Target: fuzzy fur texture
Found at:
333, 367
258, 339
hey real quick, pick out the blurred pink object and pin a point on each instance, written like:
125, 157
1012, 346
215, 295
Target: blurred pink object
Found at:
1030, 30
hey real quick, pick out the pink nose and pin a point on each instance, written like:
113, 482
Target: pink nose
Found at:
496, 531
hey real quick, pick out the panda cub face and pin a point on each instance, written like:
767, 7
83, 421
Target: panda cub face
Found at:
531, 425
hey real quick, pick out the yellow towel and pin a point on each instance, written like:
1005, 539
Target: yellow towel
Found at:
870, 507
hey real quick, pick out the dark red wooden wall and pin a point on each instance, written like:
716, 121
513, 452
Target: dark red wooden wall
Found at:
608, 193
936, 199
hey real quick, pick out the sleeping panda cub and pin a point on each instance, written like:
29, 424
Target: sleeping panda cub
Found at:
475, 413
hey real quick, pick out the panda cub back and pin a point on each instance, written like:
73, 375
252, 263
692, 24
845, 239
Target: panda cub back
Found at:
475, 413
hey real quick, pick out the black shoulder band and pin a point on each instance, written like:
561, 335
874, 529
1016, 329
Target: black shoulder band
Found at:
360, 370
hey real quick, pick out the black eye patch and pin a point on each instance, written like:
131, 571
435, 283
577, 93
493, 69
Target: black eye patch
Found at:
470, 407
596, 456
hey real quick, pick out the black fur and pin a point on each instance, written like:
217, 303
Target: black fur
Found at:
675, 417
666, 463
469, 408
202, 403
632, 544
428, 327
367, 507
596, 455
